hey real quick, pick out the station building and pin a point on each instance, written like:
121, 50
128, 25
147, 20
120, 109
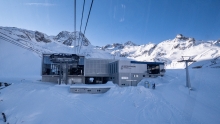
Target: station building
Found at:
76, 69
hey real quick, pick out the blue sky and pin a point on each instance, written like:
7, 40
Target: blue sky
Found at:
111, 21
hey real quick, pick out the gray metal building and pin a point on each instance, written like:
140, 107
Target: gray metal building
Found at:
129, 73
75, 69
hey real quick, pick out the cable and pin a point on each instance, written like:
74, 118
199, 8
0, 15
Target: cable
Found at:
87, 22
88, 17
81, 25
75, 24
82, 15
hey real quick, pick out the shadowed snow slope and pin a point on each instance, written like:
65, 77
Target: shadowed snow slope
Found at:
18, 62
35, 102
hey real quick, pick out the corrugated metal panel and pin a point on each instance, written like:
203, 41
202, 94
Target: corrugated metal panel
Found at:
97, 67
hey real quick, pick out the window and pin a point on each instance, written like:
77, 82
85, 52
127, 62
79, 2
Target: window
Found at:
113, 68
124, 77
153, 69
76, 90
135, 75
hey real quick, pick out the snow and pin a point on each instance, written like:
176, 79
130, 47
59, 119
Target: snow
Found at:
32, 101
18, 62
28, 100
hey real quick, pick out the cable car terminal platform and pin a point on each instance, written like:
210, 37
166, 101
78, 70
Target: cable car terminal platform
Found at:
91, 88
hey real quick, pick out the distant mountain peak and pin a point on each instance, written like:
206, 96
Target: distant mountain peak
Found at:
68, 38
129, 43
41, 37
181, 37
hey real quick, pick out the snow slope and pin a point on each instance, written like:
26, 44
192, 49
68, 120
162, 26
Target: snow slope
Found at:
170, 102
18, 62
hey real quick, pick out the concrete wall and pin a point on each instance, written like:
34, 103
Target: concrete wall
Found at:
50, 78
70, 80
76, 79
89, 90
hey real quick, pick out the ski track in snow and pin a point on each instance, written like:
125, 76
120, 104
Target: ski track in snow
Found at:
75, 103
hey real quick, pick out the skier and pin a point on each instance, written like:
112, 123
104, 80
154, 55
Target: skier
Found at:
153, 86
4, 117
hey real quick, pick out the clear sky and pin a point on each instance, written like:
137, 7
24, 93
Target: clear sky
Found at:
111, 21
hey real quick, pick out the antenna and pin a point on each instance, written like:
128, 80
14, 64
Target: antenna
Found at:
187, 59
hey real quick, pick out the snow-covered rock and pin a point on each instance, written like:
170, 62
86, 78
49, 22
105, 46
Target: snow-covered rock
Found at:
41, 37
129, 43
68, 38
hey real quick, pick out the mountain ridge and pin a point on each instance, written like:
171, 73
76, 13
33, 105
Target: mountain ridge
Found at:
168, 51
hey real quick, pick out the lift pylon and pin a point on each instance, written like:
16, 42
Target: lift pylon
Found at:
187, 59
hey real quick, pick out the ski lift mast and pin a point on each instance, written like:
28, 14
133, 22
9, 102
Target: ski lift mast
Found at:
187, 59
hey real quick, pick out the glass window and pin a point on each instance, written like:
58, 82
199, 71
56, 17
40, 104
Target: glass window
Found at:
46, 60
124, 77
135, 75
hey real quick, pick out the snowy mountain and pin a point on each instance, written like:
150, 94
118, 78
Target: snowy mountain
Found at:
39, 43
170, 51
68, 38
206, 53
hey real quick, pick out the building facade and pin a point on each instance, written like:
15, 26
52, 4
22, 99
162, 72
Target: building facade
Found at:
75, 69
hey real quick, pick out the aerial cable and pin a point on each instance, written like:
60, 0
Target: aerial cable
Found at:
87, 20
75, 25
88, 17
81, 24
82, 15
